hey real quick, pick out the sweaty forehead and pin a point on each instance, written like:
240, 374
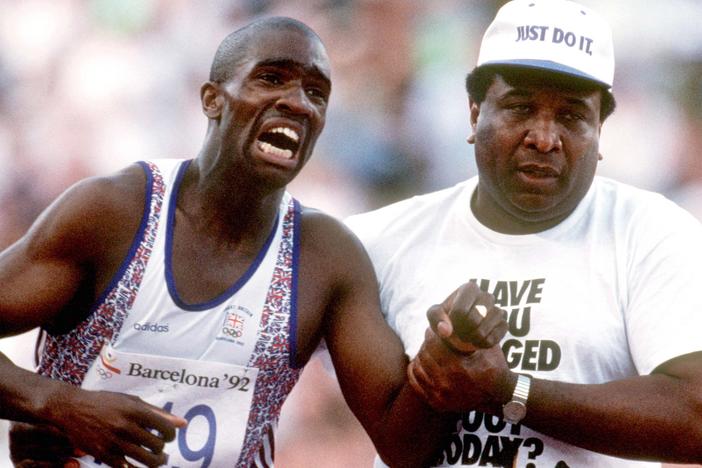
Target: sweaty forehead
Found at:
288, 45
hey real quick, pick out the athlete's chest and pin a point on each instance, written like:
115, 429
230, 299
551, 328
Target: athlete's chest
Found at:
192, 304
226, 332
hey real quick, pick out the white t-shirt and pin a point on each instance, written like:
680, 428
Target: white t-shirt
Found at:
609, 293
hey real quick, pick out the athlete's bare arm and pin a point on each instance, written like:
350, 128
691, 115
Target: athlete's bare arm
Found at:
368, 356
49, 277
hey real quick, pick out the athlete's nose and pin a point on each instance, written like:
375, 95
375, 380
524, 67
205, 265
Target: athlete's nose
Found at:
295, 101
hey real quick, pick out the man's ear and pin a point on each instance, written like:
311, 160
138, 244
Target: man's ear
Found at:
211, 99
474, 109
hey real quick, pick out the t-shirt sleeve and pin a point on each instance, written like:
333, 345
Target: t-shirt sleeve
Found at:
664, 313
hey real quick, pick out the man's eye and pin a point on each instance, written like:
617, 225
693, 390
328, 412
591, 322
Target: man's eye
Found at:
572, 116
520, 108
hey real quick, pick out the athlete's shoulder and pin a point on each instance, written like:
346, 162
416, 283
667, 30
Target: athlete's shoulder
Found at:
323, 229
104, 196
330, 253
89, 212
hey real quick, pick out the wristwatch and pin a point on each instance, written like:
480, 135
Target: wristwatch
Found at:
514, 410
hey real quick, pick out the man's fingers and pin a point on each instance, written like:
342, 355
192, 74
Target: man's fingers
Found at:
444, 329
491, 329
468, 319
440, 321
499, 330
413, 380
427, 362
469, 307
451, 315
494, 337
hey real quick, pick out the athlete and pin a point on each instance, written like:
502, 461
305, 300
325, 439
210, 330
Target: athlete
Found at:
602, 363
202, 287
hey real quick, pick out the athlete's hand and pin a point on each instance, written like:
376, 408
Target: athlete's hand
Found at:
112, 426
38, 446
468, 319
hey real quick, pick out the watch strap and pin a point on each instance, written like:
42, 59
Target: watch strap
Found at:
521, 390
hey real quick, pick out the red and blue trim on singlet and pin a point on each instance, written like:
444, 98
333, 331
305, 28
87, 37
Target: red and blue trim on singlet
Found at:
68, 356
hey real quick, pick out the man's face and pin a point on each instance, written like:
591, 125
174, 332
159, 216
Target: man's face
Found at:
536, 147
276, 102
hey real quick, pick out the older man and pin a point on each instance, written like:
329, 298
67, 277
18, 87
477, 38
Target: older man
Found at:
602, 364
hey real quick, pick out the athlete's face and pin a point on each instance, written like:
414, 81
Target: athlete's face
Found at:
275, 103
536, 147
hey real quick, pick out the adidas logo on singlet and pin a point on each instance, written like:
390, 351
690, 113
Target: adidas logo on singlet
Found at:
151, 327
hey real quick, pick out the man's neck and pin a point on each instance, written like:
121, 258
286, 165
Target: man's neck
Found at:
496, 218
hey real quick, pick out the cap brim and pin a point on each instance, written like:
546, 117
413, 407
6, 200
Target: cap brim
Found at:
549, 66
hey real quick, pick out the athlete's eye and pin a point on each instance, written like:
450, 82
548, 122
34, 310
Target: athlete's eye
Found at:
316, 93
271, 78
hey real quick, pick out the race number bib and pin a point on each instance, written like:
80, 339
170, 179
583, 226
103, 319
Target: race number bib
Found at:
213, 397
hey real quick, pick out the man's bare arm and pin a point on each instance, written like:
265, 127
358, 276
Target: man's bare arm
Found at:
652, 417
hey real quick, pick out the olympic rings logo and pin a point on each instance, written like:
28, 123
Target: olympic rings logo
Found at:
233, 332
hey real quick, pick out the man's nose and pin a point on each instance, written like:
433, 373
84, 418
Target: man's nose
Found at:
295, 101
543, 136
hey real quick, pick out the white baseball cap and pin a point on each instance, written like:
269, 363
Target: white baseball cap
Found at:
558, 35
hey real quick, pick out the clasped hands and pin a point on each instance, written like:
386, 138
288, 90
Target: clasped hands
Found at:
460, 366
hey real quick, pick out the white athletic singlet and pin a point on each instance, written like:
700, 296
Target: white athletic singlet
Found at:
234, 352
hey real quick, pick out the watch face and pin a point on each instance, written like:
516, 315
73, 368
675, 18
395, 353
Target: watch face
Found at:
513, 412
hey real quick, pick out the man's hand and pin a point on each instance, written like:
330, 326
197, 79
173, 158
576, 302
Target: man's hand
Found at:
460, 366
468, 319
111, 426
452, 382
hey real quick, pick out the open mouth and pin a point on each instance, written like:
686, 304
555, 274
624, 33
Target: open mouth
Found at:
280, 142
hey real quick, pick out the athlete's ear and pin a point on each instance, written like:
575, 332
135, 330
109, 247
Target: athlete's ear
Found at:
212, 99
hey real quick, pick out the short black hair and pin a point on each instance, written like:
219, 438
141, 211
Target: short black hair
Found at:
232, 50
481, 78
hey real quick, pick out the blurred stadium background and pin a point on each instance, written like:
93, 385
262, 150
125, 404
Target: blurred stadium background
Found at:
89, 86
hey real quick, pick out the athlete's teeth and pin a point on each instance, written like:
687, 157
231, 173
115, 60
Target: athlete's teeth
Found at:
274, 150
288, 132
